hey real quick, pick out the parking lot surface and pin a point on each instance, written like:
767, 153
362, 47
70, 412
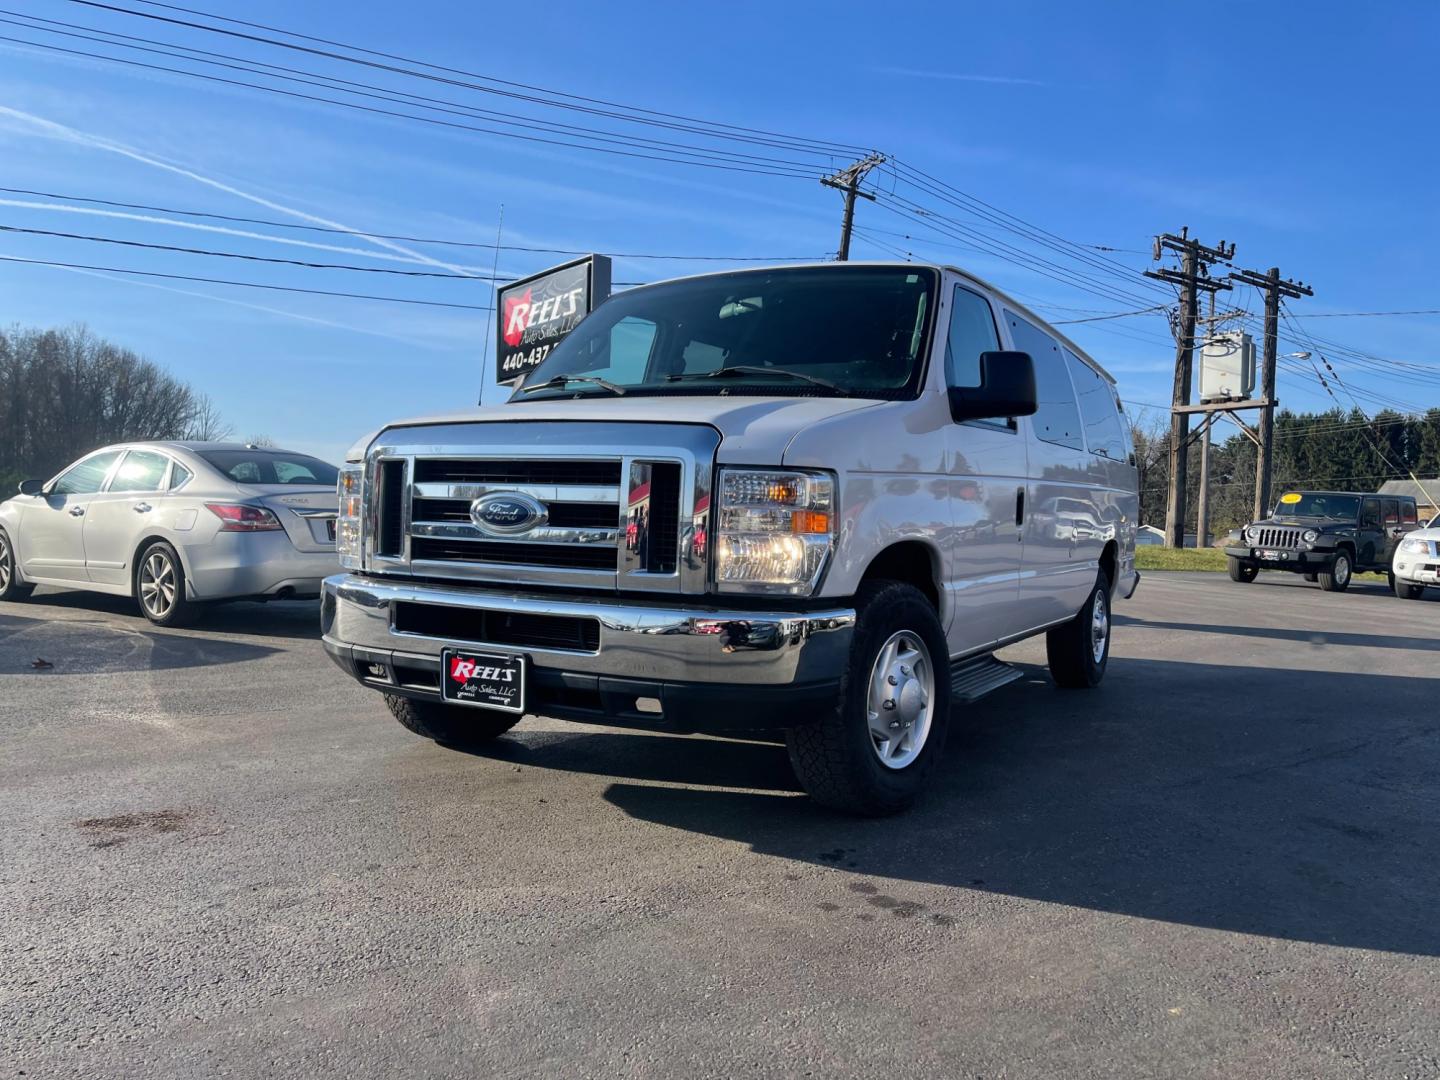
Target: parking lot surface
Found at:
220, 857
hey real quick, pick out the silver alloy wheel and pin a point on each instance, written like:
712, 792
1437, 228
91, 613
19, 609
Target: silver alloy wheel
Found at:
1099, 626
899, 703
1342, 570
157, 584
4, 565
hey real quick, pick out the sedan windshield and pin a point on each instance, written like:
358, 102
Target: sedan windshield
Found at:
1312, 504
271, 467
859, 331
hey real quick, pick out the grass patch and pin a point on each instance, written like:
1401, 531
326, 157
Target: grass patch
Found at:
1152, 557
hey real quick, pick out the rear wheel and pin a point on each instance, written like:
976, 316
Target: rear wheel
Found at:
160, 587
450, 725
874, 752
1241, 571
1337, 578
11, 587
1079, 651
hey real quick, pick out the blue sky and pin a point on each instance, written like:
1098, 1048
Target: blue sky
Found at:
1301, 133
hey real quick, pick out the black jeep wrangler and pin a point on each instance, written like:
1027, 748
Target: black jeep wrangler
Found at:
1328, 536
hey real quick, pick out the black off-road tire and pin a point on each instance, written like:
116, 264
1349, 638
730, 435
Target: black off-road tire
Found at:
833, 755
1406, 590
1242, 572
182, 610
1071, 648
11, 587
450, 725
1340, 574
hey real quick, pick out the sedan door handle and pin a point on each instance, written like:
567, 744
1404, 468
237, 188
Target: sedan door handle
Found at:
77, 511
141, 508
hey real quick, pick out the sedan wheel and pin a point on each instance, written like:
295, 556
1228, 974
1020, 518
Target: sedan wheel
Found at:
10, 586
160, 587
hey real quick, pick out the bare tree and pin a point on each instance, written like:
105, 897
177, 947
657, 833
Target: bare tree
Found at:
260, 440
64, 392
206, 423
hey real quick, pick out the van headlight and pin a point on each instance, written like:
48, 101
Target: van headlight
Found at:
350, 489
775, 529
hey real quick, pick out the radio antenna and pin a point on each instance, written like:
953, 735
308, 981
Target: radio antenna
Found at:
494, 285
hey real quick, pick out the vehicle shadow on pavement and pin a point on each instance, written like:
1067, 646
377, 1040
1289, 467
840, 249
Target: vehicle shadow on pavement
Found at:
1294, 805
46, 648
282, 618
1311, 637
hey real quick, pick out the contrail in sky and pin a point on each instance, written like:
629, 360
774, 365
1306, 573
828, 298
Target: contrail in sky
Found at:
86, 139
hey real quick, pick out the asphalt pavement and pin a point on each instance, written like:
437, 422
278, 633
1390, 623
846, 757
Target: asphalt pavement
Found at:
218, 857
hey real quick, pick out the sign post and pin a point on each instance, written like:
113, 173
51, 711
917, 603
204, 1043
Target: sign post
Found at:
535, 313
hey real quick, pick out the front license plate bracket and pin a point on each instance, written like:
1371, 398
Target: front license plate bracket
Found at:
483, 680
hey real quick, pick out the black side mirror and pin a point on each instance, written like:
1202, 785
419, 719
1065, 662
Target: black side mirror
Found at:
31, 487
1007, 388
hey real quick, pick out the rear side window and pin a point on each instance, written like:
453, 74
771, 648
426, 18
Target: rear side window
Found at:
1057, 420
972, 332
1407, 512
142, 470
1370, 514
86, 477
1098, 410
178, 476
1392, 512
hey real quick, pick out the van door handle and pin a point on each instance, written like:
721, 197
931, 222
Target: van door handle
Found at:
1019, 507
141, 508
77, 511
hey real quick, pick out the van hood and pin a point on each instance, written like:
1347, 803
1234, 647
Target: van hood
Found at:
755, 430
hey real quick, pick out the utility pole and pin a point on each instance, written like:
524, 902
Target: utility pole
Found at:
1271, 284
1193, 276
848, 181
1202, 511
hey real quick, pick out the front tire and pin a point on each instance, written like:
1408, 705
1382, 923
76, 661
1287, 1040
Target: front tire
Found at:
160, 587
874, 752
11, 588
1337, 578
1241, 571
1079, 650
1406, 590
450, 725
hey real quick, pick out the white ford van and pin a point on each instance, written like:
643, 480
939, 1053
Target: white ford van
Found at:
812, 498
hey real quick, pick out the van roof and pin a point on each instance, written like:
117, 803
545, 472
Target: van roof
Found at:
1018, 307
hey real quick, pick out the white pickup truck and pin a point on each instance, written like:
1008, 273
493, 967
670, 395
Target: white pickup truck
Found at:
809, 498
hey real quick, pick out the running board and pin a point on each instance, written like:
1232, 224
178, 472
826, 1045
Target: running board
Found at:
972, 679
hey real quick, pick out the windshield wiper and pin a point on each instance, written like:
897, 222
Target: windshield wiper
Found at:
562, 380
754, 369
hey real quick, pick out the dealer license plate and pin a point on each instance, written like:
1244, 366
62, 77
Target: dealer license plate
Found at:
484, 680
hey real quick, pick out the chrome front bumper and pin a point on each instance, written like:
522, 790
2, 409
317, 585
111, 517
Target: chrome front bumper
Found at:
643, 641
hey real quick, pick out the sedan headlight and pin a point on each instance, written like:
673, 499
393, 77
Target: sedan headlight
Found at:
1310, 535
347, 521
775, 530
1419, 547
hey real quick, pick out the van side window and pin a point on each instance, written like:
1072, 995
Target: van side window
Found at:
1057, 420
1103, 433
972, 332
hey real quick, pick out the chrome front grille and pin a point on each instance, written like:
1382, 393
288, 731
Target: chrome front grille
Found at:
1271, 537
609, 505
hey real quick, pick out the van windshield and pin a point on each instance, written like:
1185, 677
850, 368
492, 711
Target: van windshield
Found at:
859, 331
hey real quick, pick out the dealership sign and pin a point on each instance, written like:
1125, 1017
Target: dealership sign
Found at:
536, 313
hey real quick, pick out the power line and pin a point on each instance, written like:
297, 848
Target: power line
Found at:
629, 113
241, 284
1115, 315
396, 236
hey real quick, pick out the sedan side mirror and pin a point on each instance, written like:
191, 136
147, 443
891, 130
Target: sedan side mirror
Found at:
1007, 388
31, 487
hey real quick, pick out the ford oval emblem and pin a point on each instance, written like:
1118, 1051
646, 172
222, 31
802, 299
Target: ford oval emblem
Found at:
506, 513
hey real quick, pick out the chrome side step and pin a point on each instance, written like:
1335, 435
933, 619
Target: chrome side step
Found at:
972, 679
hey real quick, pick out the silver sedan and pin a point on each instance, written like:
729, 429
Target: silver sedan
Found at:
174, 524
